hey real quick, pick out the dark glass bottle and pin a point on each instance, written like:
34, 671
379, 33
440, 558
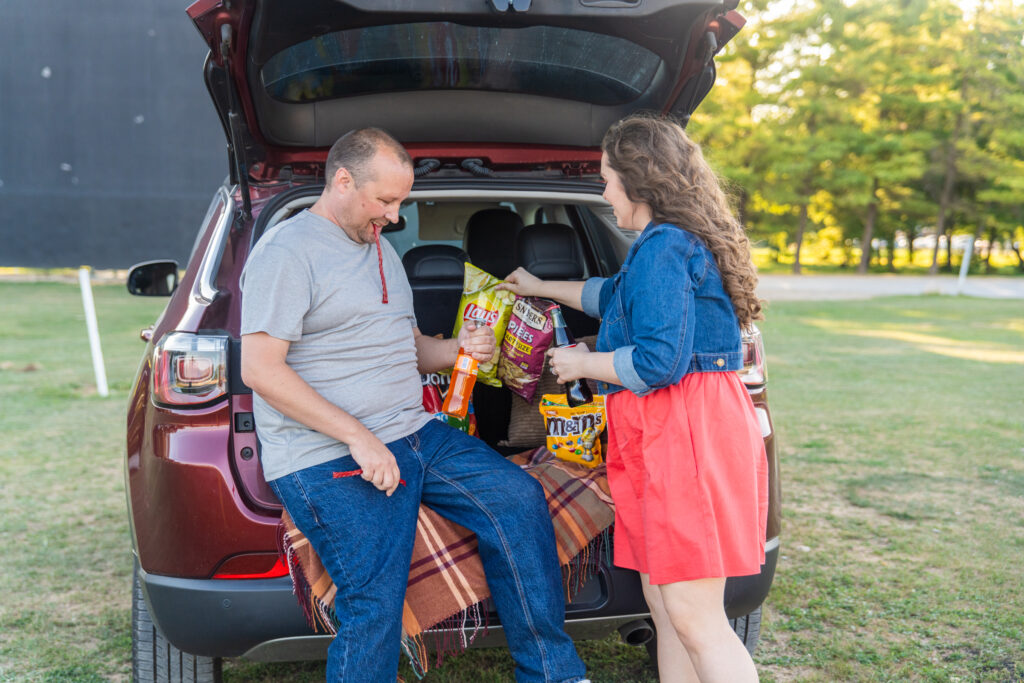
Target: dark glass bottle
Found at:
577, 392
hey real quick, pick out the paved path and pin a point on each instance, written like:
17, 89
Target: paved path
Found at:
819, 287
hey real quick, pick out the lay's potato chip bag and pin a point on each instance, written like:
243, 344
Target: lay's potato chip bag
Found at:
488, 306
573, 434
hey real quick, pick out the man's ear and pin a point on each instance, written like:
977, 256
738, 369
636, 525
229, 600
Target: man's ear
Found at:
342, 179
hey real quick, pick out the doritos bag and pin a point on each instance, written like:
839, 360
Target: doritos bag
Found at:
435, 386
527, 337
486, 305
573, 434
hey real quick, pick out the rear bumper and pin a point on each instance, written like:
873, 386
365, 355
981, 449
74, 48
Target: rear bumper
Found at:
261, 620
744, 594
222, 618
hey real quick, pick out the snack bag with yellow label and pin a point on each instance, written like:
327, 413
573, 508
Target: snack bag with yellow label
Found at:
527, 338
487, 306
573, 434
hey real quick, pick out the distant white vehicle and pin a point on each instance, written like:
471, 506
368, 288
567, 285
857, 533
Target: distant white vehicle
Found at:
960, 242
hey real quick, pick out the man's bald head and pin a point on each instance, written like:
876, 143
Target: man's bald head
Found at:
356, 149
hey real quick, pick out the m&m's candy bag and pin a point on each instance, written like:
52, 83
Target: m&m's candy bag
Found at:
573, 434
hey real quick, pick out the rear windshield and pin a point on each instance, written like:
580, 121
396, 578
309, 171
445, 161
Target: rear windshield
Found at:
538, 60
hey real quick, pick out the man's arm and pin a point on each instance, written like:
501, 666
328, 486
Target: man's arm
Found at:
433, 354
266, 372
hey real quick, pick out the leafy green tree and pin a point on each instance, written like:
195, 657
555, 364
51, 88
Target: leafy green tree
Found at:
874, 119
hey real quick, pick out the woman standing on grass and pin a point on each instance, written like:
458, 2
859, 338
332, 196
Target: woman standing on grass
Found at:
686, 461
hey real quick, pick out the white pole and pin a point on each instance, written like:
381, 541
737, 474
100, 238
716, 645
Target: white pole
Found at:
94, 334
964, 265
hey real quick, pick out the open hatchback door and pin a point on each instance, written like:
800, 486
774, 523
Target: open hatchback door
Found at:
531, 82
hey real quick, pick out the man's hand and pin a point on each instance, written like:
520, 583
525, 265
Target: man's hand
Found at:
377, 462
478, 341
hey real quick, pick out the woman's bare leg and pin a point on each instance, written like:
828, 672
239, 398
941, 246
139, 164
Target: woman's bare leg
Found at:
674, 665
695, 610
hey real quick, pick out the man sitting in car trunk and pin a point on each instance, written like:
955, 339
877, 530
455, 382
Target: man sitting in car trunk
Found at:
331, 350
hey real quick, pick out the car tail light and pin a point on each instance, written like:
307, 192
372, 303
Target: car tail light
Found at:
252, 566
190, 369
754, 371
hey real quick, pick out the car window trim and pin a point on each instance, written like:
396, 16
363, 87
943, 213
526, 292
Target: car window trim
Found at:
205, 289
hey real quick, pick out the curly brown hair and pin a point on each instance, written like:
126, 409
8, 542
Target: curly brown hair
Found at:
661, 167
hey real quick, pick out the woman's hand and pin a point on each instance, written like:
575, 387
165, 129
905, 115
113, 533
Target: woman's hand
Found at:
478, 341
521, 283
569, 363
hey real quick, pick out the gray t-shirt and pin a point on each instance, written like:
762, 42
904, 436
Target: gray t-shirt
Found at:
308, 283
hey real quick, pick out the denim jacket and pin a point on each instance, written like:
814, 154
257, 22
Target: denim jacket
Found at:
665, 314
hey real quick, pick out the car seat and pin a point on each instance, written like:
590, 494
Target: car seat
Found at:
553, 251
435, 273
491, 240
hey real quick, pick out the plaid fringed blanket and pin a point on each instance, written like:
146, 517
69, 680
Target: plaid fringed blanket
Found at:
447, 588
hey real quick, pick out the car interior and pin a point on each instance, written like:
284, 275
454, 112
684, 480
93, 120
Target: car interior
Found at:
436, 237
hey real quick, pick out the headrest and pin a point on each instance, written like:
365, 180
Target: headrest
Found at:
551, 251
435, 262
491, 240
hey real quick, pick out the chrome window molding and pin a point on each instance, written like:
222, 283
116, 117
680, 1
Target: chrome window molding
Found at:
205, 289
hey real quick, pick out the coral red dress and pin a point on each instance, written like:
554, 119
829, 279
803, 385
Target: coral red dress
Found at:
689, 477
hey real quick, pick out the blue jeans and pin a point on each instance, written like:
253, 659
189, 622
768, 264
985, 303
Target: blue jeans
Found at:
365, 539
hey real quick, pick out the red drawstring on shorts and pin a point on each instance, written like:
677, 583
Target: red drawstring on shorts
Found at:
380, 263
356, 473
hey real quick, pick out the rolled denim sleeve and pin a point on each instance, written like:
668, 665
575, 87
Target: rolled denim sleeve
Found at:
590, 299
659, 304
622, 361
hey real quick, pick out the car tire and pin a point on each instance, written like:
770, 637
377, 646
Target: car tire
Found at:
154, 659
747, 627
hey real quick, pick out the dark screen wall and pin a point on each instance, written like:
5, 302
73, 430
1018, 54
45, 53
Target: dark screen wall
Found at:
110, 149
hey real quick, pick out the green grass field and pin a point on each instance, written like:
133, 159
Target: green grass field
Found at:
901, 431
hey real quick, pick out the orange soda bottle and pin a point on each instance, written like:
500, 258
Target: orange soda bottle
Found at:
456, 401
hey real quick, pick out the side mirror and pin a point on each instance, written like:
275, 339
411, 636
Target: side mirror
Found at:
153, 278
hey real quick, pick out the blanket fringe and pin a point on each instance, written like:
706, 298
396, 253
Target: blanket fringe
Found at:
449, 637
319, 615
586, 564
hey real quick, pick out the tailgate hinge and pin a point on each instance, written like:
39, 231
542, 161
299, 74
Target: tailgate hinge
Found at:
574, 169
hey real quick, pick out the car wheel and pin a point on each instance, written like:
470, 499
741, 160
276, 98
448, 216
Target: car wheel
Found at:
747, 627
154, 660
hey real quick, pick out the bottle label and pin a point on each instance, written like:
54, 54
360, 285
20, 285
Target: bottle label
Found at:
466, 364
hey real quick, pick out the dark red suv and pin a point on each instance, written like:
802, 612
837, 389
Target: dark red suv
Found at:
502, 105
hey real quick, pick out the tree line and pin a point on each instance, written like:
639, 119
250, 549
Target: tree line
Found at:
861, 119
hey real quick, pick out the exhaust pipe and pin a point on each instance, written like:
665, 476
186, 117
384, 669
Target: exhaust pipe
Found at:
636, 633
